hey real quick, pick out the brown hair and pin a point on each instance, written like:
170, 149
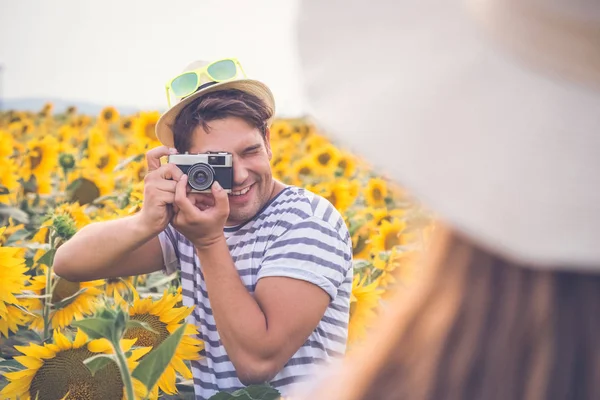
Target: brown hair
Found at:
219, 105
482, 327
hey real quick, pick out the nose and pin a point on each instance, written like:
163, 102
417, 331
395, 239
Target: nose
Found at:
240, 173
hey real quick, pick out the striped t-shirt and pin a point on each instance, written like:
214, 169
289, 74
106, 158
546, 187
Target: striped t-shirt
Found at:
298, 234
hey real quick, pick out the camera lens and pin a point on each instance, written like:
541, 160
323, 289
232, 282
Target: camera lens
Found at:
201, 176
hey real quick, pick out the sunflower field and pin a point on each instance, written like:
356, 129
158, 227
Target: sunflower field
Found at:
127, 338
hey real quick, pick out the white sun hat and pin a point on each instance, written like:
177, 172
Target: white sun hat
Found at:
487, 110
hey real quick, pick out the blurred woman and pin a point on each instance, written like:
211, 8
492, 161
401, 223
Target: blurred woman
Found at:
489, 111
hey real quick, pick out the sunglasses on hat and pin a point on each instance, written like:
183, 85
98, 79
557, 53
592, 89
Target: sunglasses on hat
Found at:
188, 82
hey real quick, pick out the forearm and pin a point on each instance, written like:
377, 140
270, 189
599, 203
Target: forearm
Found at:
99, 250
242, 325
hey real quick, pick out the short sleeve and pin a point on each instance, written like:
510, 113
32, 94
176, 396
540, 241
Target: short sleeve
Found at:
168, 244
310, 250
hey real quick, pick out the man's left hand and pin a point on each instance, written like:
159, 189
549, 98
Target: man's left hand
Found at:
198, 218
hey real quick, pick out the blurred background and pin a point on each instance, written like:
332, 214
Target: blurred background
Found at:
122, 52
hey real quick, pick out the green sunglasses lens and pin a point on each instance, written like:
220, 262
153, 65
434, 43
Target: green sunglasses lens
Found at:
184, 84
222, 70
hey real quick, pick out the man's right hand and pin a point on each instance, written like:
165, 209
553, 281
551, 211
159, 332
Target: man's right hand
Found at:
159, 190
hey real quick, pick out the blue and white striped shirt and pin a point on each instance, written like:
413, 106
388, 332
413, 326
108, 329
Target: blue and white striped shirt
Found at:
298, 234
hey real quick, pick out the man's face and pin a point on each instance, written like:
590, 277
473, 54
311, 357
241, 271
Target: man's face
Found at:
252, 177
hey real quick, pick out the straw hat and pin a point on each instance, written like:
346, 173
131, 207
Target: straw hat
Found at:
251, 86
488, 110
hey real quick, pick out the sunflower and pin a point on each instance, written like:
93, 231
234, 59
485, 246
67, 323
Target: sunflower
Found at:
164, 318
314, 142
346, 165
7, 147
15, 318
281, 129
341, 193
363, 302
118, 285
85, 303
145, 124
109, 115
41, 161
326, 158
9, 177
56, 371
389, 235
397, 266
22, 128
12, 281
303, 170
103, 157
375, 192
361, 242
126, 124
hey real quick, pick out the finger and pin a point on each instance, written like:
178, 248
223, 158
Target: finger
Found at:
170, 171
164, 185
221, 199
153, 156
181, 199
202, 198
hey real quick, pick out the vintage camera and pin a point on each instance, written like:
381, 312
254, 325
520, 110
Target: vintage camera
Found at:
205, 168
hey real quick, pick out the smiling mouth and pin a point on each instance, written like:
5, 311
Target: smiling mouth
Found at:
241, 192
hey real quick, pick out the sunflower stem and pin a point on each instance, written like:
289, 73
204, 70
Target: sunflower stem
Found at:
125, 373
48, 293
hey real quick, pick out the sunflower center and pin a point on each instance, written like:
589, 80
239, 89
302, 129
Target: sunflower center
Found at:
149, 131
391, 240
361, 242
145, 337
333, 199
103, 162
108, 114
376, 193
66, 373
127, 124
343, 164
64, 289
324, 158
36, 159
304, 171
80, 391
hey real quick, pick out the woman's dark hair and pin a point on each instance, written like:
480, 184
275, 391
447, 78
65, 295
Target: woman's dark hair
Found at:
218, 105
482, 327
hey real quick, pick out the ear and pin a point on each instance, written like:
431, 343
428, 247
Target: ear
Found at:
267, 139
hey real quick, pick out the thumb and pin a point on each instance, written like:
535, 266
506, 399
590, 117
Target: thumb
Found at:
220, 195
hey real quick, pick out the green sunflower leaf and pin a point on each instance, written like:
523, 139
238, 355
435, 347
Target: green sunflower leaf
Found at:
252, 392
131, 324
17, 236
17, 214
257, 392
221, 396
47, 258
95, 328
96, 363
154, 363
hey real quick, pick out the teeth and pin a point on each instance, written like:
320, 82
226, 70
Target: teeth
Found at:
241, 192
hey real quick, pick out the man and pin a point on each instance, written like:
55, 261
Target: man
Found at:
267, 266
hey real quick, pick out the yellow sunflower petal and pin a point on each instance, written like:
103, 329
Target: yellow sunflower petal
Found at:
30, 362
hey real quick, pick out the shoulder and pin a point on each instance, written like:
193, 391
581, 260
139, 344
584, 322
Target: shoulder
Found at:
298, 208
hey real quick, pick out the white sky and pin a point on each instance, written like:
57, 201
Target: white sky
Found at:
121, 52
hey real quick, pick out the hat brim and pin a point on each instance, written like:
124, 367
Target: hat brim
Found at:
503, 151
164, 132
